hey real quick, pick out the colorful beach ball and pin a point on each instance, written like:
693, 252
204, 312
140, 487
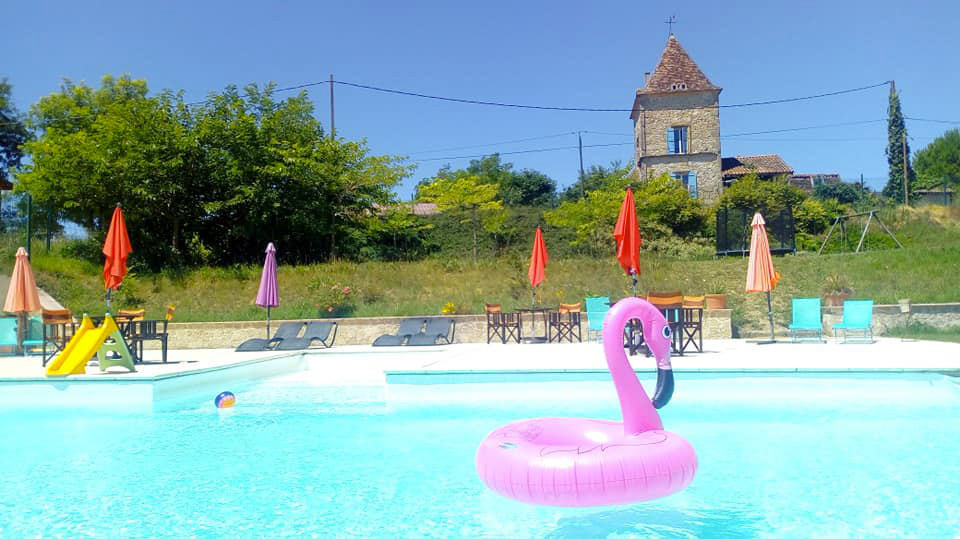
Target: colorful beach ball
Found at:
225, 400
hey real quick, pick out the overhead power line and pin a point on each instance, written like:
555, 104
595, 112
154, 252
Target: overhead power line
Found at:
590, 109
824, 126
494, 143
934, 121
539, 150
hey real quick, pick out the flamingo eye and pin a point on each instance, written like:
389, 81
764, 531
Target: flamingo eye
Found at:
666, 332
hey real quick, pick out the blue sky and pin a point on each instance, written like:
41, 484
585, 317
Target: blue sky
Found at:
559, 53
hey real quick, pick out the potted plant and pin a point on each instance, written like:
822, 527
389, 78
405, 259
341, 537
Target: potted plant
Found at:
836, 289
716, 296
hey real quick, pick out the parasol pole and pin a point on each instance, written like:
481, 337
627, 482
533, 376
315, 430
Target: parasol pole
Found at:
109, 290
268, 321
633, 277
22, 322
770, 315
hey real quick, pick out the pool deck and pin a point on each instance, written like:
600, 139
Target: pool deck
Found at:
366, 364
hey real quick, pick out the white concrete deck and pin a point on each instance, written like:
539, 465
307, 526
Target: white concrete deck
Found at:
366, 364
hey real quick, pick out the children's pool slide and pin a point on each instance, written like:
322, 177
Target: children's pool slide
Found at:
84, 344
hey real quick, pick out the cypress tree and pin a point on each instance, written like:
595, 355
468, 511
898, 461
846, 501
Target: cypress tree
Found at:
896, 134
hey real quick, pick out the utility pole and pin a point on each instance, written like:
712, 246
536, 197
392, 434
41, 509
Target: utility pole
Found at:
906, 198
29, 222
580, 142
333, 130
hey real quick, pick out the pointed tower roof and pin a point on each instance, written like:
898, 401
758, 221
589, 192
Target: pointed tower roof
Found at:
676, 72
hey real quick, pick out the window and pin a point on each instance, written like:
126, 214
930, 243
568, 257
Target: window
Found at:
677, 139
689, 181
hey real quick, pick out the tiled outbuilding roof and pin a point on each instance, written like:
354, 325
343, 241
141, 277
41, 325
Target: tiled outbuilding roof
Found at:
676, 72
416, 208
762, 165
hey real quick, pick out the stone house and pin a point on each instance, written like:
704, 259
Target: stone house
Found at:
676, 126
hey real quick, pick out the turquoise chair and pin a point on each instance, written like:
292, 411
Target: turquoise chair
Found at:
33, 341
596, 311
8, 335
806, 319
857, 318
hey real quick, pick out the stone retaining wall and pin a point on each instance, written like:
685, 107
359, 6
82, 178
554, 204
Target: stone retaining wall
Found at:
939, 315
469, 328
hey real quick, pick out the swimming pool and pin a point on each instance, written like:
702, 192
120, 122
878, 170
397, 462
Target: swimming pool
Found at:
780, 456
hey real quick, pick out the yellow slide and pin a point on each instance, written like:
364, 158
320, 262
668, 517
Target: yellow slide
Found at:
87, 341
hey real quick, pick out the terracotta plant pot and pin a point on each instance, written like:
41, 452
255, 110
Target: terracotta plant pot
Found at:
716, 301
835, 299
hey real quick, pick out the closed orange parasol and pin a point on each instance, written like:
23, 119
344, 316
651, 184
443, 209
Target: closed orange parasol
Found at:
538, 264
761, 276
628, 238
23, 297
116, 248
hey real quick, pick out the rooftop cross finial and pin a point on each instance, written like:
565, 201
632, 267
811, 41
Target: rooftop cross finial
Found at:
670, 22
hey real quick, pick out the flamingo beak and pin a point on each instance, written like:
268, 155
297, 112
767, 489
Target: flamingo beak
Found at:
664, 388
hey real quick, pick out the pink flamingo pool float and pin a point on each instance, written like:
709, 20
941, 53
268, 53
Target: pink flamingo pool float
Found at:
569, 462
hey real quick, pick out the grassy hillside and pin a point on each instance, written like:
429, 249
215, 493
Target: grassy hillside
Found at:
924, 271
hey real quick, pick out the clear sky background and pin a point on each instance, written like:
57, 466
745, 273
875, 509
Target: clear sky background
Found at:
557, 53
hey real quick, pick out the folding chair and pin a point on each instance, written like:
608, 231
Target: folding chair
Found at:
564, 323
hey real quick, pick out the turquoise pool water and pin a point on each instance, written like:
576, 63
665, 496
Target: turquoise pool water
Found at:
779, 457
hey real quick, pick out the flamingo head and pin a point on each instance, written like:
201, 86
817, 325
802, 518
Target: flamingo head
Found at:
658, 337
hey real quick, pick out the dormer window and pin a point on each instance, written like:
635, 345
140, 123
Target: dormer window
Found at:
678, 86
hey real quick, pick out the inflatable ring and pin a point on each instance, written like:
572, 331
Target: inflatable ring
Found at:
567, 462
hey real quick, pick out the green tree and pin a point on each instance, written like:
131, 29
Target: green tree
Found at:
938, 164
751, 193
845, 193
212, 183
897, 146
524, 188
596, 177
528, 188
276, 177
13, 133
475, 200
664, 210
100, 147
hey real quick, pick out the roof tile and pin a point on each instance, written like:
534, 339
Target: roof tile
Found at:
760, 164
676, 72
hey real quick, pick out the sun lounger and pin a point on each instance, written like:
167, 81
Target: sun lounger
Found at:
324, 332
408, 327
287, 330
437, 331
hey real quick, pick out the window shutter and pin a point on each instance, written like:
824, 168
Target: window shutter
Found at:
692, 184
671, 141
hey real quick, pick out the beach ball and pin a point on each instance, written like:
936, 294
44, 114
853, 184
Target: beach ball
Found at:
225, 400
